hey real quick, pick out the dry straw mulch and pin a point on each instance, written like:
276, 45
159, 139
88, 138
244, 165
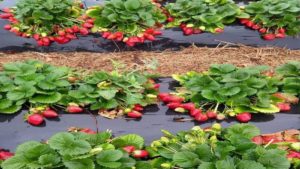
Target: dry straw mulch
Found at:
188, 59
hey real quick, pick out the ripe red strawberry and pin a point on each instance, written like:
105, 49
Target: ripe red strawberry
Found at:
157, 33
173, 105
267, 138
188, 106
46, 40
187, 31
112, 36
49, 113
71, 36
201, 117
140, 153
262, 30
163, 95
269, 36
106, 34
176, 99
170, 19
61, 33
156, 86
75, 28
134, 114
293, 154
87, 131
141, 39
219, 30
7, 27
195, 112
74, 109
149, 31
280, 35
129, 149
197, 31
129, 43
244, 117
249, 24
91, 21
40, 43
87, 25
84, 31
255, 27
244, 20
4, 155
182, 25
138, 107
69, 30
257, 140
35, 119
211, 114
281, 30
6, 15
284, 106
36, 36
149, 37
6, 10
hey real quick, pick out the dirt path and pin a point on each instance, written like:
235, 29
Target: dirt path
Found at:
170, 62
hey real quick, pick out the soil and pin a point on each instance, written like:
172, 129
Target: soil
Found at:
170, 62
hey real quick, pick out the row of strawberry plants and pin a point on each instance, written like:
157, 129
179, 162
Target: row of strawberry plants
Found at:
227, 91
237, 147
44, 88
136, 21
222, 91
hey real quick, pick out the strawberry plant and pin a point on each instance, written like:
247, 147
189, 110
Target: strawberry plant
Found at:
273, 19
234, 147
47, 21
197, 16
78, 150
44, 88
217, 148
225, 90
130, 21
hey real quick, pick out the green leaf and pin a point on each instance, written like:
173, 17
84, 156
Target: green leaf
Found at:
204, 152
246, 164
15, 95
266, 110
225, 164
16, 162
206, 165
5, 103
80, 164
11, 109
274, 159
185, 159
47, 99
129, 140
242, 130
132, 4
66, 144
49, 159
108, 94
109, 158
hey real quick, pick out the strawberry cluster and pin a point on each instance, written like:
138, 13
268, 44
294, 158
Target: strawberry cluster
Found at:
149, 34
177, 104
59, 34
136, 153
37, 115
267, 34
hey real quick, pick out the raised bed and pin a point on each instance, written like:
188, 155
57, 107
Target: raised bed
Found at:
14, 131
171, 39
